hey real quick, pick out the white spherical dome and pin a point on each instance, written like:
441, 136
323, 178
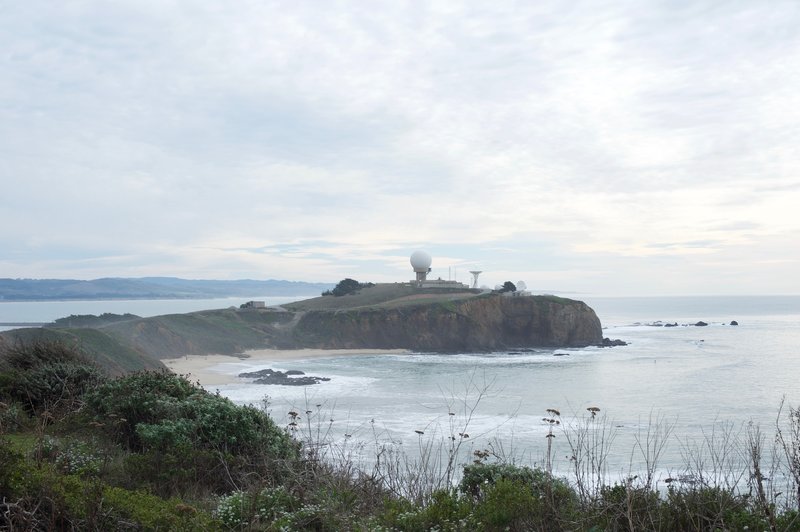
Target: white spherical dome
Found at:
420, 261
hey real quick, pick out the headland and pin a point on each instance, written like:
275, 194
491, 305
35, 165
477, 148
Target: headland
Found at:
374, 317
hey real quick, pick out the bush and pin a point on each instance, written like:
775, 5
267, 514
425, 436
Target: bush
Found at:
13, 416
551, 499
446, 510
46, 376
46, 499
345, 287
163, 412
478, 477
70, 457
508, 286
703, 508
10, 471
509, 505
242, 510
622, 507
194, 471
153, 513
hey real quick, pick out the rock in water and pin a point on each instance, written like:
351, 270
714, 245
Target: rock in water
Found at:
734, 322
608, 342
288, 378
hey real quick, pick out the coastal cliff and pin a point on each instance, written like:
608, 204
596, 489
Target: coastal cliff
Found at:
483, 323
388, 316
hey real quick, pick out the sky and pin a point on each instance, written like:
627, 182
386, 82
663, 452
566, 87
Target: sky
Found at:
604, 148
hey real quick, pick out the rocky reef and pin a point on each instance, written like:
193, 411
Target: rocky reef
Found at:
292, 377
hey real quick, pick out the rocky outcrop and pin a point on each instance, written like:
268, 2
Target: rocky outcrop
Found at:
486, 323
284, 378
608, 342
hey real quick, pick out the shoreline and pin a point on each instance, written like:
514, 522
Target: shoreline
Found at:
201, 368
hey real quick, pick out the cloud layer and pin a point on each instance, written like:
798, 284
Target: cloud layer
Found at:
630, 147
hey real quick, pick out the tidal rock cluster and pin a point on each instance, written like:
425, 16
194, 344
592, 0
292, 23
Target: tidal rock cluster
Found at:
291, 377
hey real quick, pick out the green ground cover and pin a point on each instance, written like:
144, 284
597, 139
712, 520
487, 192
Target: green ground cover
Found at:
83, 450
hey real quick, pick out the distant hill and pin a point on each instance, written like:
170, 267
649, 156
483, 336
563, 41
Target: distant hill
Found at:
150, 288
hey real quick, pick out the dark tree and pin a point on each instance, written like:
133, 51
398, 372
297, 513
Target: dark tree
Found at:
345, 287
508, 286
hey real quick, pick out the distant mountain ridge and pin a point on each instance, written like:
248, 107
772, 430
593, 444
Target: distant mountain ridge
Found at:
150, 288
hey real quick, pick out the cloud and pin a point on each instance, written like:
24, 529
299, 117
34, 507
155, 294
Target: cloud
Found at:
306, 141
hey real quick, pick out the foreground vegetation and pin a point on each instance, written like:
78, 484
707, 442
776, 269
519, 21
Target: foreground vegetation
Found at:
152, 451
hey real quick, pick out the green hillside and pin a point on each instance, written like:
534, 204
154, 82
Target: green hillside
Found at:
388, 295
123, 346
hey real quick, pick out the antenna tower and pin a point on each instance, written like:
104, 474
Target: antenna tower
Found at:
475, 275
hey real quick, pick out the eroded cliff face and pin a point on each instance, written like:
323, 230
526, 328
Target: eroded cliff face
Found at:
474, 323
486, 323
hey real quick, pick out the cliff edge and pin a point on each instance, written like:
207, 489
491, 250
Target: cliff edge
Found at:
481, 323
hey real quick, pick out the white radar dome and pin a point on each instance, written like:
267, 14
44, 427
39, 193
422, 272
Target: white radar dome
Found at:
421, 261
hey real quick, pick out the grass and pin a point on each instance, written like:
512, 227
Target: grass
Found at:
383, 296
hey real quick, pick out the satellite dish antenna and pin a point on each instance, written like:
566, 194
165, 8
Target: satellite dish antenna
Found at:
521, 285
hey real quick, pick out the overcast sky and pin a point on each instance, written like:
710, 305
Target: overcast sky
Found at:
632, 148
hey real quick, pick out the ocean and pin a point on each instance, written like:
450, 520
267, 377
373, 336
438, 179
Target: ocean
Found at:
703, 382
700, 381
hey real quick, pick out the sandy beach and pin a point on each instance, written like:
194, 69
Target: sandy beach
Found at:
208, 370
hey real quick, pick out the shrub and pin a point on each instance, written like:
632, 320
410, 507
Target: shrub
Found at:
445, 511
13, 416
345, 287
552, 499
194, 471
625, 507
703, 508
78, 458
46, 376
241, 509
164, 412
509, 505
508, 286
10, 471
153, 513
478, 477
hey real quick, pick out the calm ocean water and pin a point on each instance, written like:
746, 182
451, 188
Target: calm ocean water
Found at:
699, 378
